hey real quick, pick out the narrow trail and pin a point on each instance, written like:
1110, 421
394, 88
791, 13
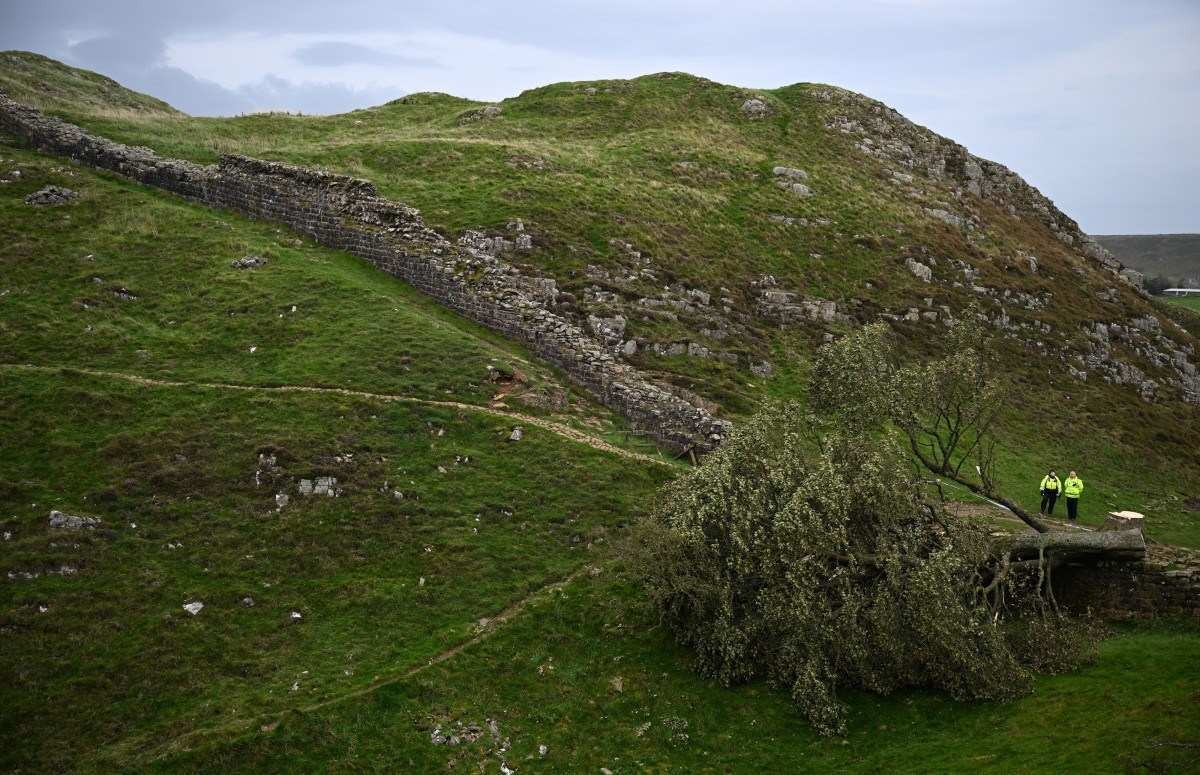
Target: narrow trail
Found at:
565, 431
268, 722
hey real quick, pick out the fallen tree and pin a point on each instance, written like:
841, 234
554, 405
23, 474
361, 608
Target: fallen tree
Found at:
807, 551
1080, 546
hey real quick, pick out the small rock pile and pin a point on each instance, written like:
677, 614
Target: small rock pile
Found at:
248, 262
50, 195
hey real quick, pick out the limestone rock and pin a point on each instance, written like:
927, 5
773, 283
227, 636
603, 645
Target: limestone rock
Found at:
919, 270
789, 172
756, 107
248, 262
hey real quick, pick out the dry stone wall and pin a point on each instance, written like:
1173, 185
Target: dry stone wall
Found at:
1167, 583
349, 214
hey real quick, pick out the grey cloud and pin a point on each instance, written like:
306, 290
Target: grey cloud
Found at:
275, 93
139, 62
334, 53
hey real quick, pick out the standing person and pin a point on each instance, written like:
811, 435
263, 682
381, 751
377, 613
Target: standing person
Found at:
1051, 487
1072, 489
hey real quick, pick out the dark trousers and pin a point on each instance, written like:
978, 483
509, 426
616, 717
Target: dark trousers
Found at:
1049, 497
1072, 508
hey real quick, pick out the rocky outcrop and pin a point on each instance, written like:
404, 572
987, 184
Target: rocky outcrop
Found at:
883, 133
348, 214
1110, 345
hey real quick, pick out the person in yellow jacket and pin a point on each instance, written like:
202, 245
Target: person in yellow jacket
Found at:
1051, 488
1072, 489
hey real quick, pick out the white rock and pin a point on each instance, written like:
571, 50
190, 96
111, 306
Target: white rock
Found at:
517, 434
194, 607
919, 270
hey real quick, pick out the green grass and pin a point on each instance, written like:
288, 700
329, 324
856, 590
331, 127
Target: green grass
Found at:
549, 680
483, 520
1187, 302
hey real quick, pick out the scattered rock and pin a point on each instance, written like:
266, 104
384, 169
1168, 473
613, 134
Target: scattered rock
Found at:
789, 172
486, 112
919, 270
50, 195
323, 485
947, 217
459, 733
248, 602
756, 107
193, 608
762, 369
281, 500
517, 434
71, 522
248, 262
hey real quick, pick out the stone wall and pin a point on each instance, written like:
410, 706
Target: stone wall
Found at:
348, 214
1166, 584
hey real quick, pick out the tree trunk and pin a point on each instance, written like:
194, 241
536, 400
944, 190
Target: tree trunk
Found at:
1072, 546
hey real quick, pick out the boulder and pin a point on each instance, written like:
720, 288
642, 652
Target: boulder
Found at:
756, 107
789, 172
50, 195
71, 522
919, 270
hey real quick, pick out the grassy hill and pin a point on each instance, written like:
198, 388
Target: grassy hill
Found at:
48, 84
1168, 255
656, 201
460, 577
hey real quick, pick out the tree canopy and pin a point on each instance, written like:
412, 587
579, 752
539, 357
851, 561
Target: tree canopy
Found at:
807, 551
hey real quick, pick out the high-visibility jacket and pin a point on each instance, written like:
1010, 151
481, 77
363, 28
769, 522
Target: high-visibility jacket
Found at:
1073, 487
1050, 483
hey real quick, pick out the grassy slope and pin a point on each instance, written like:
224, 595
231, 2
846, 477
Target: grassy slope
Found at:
1192, 303
50, 85
549, 680
179, 464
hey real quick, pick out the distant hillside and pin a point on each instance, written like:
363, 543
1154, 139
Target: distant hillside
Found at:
52, 86
1169, 255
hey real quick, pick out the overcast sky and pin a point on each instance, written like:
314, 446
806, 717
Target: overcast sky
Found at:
1096, 102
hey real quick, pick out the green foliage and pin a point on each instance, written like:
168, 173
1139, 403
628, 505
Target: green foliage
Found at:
946, 406
854, 379
803, 550
814, 563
